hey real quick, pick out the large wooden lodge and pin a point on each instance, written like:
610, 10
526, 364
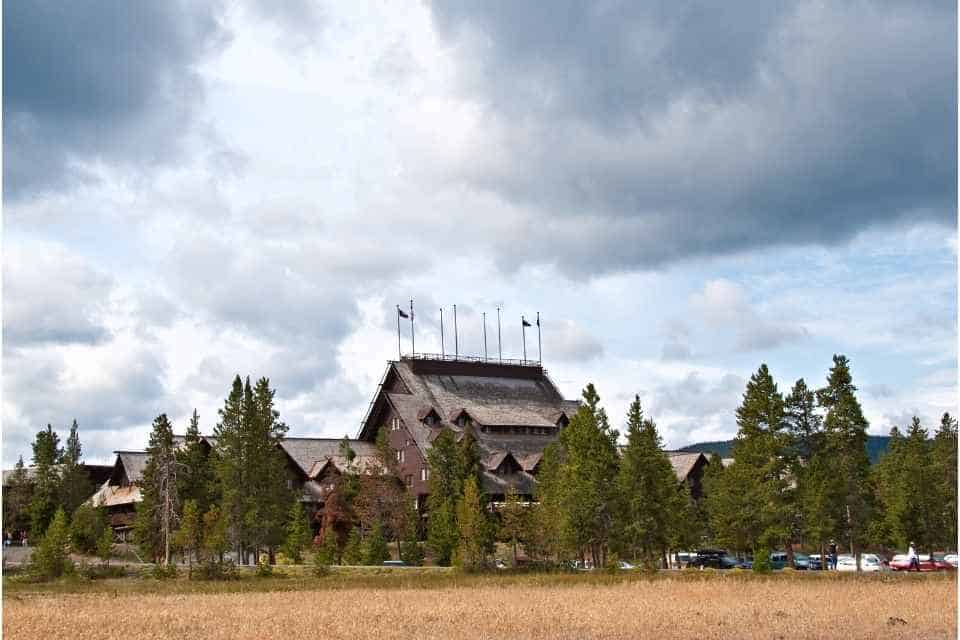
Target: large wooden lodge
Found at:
514, 409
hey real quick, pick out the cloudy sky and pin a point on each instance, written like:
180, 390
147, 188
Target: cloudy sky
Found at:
683, 190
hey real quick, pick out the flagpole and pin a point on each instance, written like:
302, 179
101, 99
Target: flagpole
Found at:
413, 344
442, 352
523, 328
539, 343
399, 352
484, 336
499, 344
456, 343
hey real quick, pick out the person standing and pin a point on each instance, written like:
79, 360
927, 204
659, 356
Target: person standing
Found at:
832, 557
913, 558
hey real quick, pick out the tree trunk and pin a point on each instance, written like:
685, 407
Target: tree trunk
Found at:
790, 559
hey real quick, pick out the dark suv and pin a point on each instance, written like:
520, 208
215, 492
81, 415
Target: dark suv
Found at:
713, 559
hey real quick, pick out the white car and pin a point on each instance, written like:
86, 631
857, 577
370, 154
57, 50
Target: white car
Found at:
868, 562
951, 558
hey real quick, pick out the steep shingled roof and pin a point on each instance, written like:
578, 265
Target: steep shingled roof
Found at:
683, 463
307, 451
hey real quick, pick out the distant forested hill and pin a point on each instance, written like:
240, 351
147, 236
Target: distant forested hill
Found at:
876, 445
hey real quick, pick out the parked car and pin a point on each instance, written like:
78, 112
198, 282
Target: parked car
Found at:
500, 564
626, 566
394, 563
868, 562
801, 561
816, 563
713, 558
900, 562
951, 559
683, 558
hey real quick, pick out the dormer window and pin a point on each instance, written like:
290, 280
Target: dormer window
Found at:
395, 424
430, 417
562, 421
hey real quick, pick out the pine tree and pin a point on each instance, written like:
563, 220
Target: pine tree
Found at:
51, 558
808, 502
74, 481
195, 478
250, 467
297, 533
328, 552
215, 535
105, 545
17, 498
158, 511
514, 522
46, 481
353, 550
907, 491
410, 550
580, 482
758, 508
845, 433
86, 527
944, 462
651, 499
189, 538
375, 546
445, 487
472, 528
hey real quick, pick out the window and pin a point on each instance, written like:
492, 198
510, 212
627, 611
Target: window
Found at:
289, 483
396, 424
424, 474
428, 420
400, 456
409, 480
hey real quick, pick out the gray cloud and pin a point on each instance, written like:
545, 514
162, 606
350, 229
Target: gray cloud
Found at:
724, 305
52, 296
88, 83
640, 133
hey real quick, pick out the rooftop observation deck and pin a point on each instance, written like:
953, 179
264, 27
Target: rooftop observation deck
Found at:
445, 364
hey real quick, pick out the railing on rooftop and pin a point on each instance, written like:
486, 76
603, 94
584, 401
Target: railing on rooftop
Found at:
515, 362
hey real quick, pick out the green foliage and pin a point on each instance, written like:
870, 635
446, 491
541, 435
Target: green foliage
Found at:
514, 521
213, 569
163, 571
761, 561
375, 546
264, 568
321, 563
652, 505
51, 558
215, 542
157, 513
353, 549
944, 469
195, 477
105, 545
46, 481
845, 434
16, 499
75, 485
189, 537
578, 482
445, 486
910, 492
327, 552
249, 466
297, 533
86, 527
473, 528
753, 504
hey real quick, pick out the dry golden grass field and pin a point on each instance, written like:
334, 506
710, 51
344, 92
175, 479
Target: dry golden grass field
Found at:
501, 607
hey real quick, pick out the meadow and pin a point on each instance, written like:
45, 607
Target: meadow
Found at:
453, 606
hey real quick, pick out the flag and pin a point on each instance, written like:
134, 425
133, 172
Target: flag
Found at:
524, 321
403, 314
538, 319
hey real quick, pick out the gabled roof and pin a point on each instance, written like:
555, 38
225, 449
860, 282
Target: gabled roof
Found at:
492, 394
530, 461
684, 463
133, 463
363, 464
305, 452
